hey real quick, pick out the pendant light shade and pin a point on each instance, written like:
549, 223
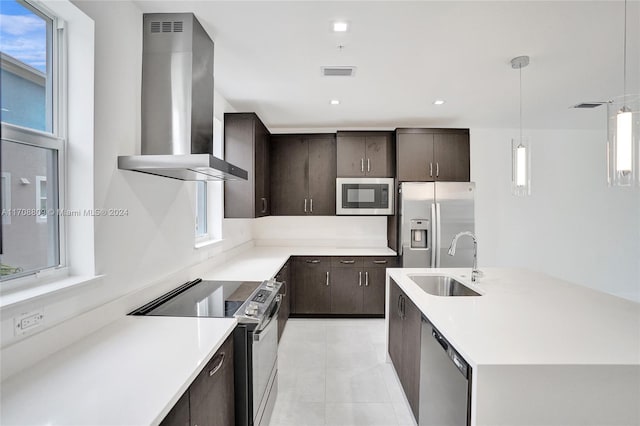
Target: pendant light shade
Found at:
623, 131
623, 128
520, 147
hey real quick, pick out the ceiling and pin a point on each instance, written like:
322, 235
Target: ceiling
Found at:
268, 58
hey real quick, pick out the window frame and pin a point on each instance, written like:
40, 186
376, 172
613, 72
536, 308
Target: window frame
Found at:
202, 208
56, 97
5, 181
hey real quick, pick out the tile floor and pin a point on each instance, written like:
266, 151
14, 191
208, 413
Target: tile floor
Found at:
333, 372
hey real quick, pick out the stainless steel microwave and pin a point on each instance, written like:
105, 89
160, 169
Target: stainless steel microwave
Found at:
364, 196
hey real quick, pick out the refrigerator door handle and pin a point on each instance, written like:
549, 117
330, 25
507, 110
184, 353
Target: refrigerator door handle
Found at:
434, 247
438, 235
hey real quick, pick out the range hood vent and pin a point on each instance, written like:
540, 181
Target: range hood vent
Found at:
177, 102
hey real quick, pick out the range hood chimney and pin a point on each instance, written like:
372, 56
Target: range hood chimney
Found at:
177, 102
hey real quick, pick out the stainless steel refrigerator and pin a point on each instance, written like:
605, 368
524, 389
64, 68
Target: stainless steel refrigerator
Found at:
431, 214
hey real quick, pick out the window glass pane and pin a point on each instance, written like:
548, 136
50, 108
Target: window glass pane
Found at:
25, 72
201, 209
30, 236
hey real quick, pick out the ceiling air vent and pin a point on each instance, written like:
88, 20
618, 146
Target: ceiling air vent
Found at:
338, 71
177, 26
586, 105
155, 26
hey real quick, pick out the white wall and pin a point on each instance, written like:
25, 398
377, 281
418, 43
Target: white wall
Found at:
140, 255
573, 226
337, 231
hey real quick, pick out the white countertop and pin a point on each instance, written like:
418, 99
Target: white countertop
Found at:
528, 318
130, 372
264, 262
134, 370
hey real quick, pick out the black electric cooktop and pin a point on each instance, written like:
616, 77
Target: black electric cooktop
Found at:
214, 299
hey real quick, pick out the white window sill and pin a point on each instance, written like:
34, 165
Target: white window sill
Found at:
208, 243
9, 299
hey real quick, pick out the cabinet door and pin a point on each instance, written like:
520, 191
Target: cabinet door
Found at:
179, 414
262, 204
395, 326
211, 395
373, 294
451, 157
239, 149
285, 296
313, 285
346, 290
379, 161
322, 175
415, 157
289, 157
410, 370
351, 156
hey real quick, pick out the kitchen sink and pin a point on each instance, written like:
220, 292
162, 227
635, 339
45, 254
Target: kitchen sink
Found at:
441, 285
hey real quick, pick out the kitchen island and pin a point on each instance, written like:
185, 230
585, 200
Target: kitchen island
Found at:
543, 351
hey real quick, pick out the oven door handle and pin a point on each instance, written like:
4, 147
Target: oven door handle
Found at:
274, 313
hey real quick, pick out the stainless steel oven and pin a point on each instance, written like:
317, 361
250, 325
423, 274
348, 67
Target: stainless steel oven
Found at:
364, 196
255, 339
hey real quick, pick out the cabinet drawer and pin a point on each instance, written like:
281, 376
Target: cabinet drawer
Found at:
323, 261
381, 262
346, 262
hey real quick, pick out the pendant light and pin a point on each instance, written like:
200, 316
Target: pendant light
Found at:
520, 148
623, 130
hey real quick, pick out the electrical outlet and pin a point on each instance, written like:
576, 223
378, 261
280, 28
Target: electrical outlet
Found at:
28, 321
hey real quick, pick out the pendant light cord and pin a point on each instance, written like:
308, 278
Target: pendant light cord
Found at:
624, 53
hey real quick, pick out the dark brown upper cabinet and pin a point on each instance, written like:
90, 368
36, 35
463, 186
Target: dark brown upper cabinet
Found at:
427, 155
303, 175
365, 154
246, 144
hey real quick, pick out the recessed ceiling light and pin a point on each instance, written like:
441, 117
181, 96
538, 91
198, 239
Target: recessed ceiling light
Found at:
335, 102
340, 26
438, 102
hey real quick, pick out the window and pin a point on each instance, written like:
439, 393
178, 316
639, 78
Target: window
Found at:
209, 202
201, 210
5, 191
41, 199
32, 149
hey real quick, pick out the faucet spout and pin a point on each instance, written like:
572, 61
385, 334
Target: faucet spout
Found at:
475, 273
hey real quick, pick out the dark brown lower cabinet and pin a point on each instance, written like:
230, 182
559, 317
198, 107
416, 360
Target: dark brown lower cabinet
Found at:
284, 276
210, 398
312, 285
404, 343
340, 285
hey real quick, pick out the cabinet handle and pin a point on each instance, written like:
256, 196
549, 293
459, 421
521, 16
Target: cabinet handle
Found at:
366, 278
362, 165
437, 169
348, 262
327, 282
311, 203
380, 262
215, 369
430, 169
305, 205
399, 308
264, 205
402, 312
284, 284
360, 278
312, 261
368, 165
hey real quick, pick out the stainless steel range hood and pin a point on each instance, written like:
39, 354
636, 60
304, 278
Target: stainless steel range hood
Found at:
177, 102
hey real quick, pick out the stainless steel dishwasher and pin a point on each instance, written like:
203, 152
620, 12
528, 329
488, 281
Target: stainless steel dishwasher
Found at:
445, 382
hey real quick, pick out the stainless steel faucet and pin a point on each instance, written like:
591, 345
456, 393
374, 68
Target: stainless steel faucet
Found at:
475, 273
